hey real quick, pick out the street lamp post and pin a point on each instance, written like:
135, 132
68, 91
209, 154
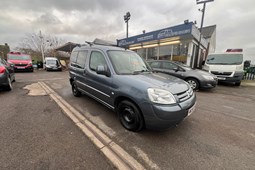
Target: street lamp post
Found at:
126, 18
202, 22
41, 37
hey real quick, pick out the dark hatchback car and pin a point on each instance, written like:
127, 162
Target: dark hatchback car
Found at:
198, 79
7, 75
121, 80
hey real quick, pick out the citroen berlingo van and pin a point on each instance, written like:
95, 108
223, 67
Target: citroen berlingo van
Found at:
121, 80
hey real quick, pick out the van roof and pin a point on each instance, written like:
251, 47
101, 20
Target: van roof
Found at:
98, 47
51, 58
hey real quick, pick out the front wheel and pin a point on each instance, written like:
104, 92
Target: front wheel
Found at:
237, 83
194, 84
130, 116
75, 90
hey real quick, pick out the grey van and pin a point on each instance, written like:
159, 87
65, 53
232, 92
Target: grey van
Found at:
121, 80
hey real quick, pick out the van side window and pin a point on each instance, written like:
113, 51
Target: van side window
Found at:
73, 58
96, 59
81, 59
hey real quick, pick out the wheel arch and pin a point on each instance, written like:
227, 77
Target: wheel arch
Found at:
122, 98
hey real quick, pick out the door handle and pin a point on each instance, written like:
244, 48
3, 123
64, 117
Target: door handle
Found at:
85, 72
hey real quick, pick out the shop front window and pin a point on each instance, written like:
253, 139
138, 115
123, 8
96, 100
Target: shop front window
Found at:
165, 52
142, 52
180, 52
152, 53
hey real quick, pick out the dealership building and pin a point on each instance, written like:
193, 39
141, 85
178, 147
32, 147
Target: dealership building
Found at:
177, 43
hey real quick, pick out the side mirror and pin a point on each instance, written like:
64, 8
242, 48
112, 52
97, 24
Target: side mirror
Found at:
176, 69
103, 71
10, 64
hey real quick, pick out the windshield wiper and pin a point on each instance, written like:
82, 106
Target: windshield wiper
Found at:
141, 71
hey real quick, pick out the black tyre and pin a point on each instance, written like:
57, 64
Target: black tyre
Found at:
237, 83
193, 83
9, 86
75, 90
130, 116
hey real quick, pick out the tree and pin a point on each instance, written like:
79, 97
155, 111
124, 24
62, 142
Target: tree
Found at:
4, 49
34, 44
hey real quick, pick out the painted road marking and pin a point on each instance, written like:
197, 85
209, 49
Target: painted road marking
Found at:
119, 158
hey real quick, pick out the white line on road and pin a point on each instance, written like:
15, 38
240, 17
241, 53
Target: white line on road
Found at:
146, 159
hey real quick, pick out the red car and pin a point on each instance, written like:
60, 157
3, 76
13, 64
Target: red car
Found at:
22, 62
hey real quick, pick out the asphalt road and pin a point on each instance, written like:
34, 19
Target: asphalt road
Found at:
220, 134
35, 134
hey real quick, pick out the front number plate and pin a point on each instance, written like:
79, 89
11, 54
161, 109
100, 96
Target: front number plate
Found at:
192, 109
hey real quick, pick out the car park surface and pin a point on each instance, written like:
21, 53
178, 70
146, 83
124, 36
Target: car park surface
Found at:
218, 135
198, 79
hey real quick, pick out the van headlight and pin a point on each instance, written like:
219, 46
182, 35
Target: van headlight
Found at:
161, 96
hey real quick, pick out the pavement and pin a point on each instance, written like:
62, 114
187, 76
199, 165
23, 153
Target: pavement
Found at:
248, 83
35, 134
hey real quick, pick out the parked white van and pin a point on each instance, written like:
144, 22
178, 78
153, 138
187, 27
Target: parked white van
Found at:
226, 66
52, 63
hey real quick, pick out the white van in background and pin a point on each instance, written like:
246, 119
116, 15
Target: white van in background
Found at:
226, 66
52, 63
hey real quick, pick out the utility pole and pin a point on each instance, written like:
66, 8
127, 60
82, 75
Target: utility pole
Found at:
41, 37
126, 18
202, 22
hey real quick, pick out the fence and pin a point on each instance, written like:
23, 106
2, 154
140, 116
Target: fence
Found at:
249, 74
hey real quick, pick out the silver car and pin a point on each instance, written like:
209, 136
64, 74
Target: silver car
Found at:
198, 79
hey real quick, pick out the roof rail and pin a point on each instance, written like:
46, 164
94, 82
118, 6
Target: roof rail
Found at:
104, 42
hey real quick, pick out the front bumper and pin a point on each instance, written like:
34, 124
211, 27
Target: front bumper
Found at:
158, 116
207, 84
237, 77
23, 68
53, 68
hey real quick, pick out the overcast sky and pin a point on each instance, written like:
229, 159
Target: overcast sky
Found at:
84, 20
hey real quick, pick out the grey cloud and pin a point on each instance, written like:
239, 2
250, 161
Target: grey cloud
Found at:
47, 19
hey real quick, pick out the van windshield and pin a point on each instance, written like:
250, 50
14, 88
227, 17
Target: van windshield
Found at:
18, 57
225, 59
127, 62
52, 62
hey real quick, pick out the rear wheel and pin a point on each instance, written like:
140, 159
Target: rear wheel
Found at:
9, 86
75, 90
130, 116
193, 83
237, 83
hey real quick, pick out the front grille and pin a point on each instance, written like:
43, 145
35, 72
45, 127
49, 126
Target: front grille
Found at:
221, 73
185, 95
20, 64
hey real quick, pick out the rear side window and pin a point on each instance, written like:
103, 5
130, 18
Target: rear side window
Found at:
169, 66
96, 59
81, 59
73, 58
155, 64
